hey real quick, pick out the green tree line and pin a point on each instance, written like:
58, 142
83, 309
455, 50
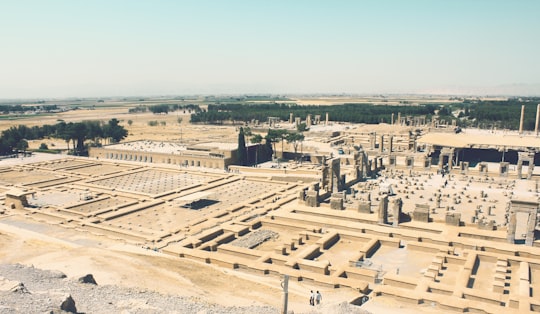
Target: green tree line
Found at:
77, 133
353, 112
6, 109
166, 108
503, 114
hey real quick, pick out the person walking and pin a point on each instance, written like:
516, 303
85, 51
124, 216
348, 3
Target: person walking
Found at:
318, 298
312, 298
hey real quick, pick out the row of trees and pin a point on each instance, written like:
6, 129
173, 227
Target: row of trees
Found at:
6, 109
77, 133
483, 114
166, 108
501, 114
356, 113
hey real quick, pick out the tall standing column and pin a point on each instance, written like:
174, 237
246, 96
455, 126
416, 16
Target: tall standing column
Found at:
521, 120
529, 238
511, 228
397, 212
383, 210
537, 119
372, 139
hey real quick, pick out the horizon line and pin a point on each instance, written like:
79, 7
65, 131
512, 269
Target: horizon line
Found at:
323, 94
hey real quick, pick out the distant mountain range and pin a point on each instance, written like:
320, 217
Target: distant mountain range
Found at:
506, 90
500, 90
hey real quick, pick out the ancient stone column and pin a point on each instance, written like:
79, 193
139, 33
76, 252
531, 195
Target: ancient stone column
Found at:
521, 119
392, 118
390, 143
537, 119
302, 197
399, 118
312, 198
326, 123
503, 169
383, 210
531, 224
372, 138
427, 163
291, 118
381, 143
335, 176
358, 165
397, 212
392, 160
511, 229
308, 120
325, 176
531, 169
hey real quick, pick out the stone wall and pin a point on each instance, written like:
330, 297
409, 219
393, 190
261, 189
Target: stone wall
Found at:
189, 158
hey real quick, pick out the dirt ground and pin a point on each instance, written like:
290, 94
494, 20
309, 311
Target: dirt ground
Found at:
111, 262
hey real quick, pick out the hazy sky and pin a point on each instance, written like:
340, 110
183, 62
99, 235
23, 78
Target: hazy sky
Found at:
119, 48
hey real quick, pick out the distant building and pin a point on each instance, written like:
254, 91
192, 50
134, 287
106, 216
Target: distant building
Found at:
209, 155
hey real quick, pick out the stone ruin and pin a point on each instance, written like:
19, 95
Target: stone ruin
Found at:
332, 181
453, 219
527, 213
16, 199
421, 213
336, 200
311, 197
313, 225
528, 158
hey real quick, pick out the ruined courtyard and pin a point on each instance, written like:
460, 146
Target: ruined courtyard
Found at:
382, 222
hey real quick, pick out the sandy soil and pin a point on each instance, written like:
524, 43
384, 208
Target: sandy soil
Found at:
76, 253
111, 262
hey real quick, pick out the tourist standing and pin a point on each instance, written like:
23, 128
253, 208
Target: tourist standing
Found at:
318, 298
312, 298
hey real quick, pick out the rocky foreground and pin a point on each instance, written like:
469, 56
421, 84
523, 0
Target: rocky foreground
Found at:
30, 290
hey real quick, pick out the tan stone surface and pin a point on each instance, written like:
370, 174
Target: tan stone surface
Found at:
134, 206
